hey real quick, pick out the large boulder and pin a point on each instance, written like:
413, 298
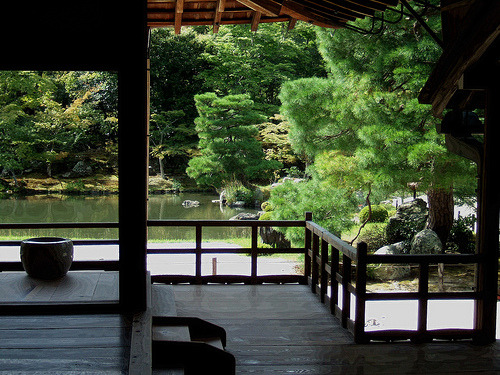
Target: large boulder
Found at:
188, 203
274, 238
410, 218
384, 272
81, 169
426, 242
245, 216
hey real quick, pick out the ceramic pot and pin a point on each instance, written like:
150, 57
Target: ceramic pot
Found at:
47, 257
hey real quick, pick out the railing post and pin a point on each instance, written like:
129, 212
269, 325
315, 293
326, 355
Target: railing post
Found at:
423, 298
324, 274
315, 265
198, 253
359, 323
346, 294
307, 247
254, 254
334, 262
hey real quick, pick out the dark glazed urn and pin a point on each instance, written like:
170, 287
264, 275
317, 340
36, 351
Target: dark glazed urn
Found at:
47, 257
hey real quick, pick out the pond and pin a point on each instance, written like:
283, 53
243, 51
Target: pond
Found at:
57, 208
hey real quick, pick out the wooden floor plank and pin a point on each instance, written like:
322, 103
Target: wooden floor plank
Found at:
69, 344
283, 329
76, 286
106, 287
163, 300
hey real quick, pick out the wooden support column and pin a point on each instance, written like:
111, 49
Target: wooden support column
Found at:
487, 273
221, 5
255, 21
133, 164
179, 10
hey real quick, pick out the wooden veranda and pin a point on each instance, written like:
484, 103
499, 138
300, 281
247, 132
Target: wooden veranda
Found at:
113, 35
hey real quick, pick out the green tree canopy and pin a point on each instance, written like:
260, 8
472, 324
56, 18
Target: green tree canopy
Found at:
363, 124
228, 147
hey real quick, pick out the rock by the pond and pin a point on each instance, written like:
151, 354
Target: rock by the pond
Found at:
188, 203
274, 238
237, 204
426, 242
384, 272
410, 218
81, 169
245, 216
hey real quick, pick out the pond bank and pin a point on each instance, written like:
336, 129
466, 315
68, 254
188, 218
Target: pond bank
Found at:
92, 185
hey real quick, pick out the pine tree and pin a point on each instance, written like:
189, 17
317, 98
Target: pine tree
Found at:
229, 150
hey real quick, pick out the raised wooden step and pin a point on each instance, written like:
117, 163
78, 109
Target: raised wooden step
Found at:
193, 344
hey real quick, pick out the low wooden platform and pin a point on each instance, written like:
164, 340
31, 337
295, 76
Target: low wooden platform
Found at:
76, 286
65, 344
283, 329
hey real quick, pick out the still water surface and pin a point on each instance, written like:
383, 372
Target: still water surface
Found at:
54, 208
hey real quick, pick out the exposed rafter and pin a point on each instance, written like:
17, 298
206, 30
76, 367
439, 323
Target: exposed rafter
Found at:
325, 13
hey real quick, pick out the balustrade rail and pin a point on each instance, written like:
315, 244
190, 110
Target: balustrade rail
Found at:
253, 250
336, 271
329, 264
104, 265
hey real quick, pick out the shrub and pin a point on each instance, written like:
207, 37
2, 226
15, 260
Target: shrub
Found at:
379, 214
75, 187
236, 191
266, 216
266, 206
461, 237
374, 236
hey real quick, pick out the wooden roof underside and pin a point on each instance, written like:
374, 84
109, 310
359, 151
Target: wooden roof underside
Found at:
470, 60
325, 13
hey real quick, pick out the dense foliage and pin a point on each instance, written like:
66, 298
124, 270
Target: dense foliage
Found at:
50, 120
362, 126
232, 62
229, 150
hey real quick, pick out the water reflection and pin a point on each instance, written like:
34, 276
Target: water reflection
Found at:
54, 208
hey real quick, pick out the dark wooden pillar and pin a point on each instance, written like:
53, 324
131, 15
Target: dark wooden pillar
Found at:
487, 273
133, 162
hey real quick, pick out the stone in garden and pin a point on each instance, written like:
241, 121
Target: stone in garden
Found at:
189, 204
410, 218
237, 204
426, 242
81, 169
245, 216
274, 238
384, 272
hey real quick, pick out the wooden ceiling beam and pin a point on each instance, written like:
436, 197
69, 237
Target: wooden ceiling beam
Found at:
179, 9
367, 4
234, 21
300, 12
291, 24
467, 48
326, 8
255, 21
266, 7
219, 9
352, 7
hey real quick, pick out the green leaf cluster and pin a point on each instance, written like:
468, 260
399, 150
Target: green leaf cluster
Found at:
228, 146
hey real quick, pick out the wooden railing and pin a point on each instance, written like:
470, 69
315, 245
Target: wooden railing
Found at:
253, 250
105, 265
336, 271
330, 265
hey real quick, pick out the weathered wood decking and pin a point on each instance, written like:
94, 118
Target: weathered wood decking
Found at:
283, 329
76, 286
65, 344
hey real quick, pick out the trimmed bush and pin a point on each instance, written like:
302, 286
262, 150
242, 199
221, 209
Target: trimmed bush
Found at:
266, 206
374, 236
379, 214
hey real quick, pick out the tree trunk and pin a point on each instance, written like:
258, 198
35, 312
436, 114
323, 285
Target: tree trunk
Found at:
162, 168
440, 211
